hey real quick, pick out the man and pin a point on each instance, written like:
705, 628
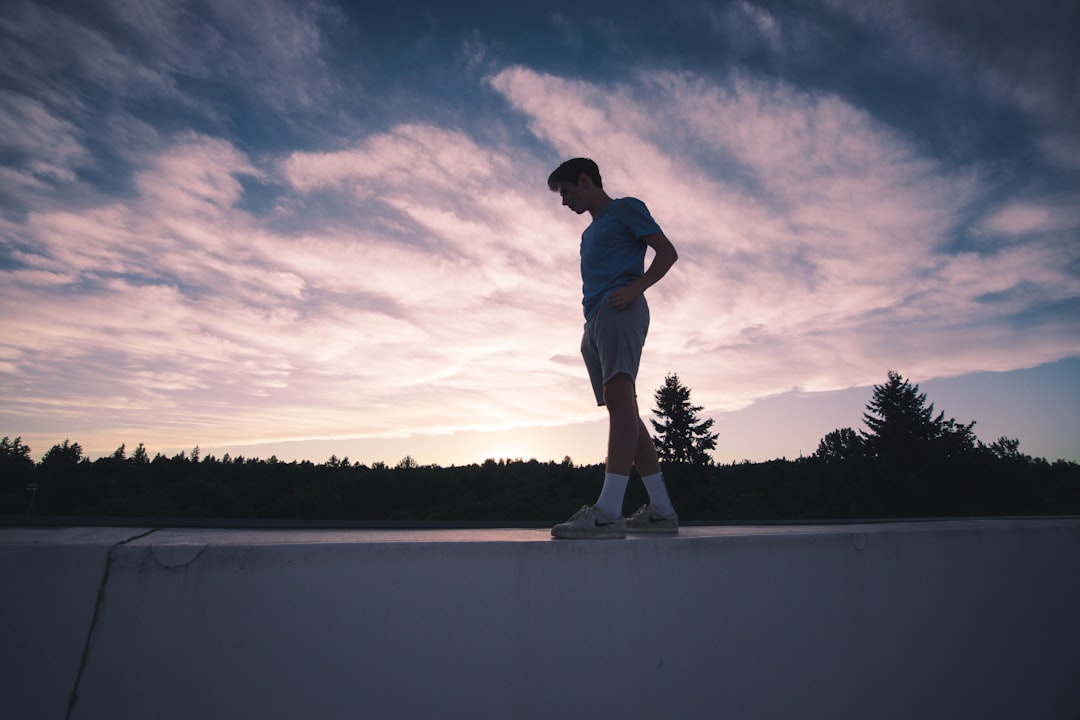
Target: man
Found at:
614, 280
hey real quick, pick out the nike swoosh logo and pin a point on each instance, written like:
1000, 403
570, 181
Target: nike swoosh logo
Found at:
653, 519
597, 523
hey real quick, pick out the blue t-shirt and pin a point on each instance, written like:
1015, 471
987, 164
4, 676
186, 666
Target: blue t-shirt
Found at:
612, 252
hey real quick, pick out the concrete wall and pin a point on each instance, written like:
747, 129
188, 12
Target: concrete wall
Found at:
952, 619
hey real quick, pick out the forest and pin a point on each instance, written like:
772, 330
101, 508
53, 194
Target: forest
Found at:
906, 462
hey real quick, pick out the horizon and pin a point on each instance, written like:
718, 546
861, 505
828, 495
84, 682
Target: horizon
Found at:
1039, 386
323, 228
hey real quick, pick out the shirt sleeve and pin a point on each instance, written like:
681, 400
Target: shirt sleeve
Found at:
637, 218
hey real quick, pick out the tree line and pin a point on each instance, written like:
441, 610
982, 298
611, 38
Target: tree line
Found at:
906, 462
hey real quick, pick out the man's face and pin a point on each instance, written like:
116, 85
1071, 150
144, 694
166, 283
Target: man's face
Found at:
572, 195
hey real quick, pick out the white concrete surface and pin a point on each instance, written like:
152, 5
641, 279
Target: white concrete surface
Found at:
952, 619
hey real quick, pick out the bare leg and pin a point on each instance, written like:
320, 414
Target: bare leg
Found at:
646, 460
624, 425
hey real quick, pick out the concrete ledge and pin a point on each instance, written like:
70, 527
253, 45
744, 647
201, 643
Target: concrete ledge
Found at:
950, 619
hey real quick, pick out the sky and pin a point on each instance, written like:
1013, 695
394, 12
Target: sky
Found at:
306, 229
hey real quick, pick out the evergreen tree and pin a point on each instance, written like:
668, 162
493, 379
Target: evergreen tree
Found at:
67, 455
681, 436
14, 456
902, 428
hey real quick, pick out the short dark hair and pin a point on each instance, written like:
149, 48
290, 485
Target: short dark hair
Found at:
572, 170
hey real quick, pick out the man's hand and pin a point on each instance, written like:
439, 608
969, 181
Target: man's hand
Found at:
665, 257
624, 297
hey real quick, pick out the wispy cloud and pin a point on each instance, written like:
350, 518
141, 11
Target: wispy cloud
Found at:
808, 228
425, 319
175, 277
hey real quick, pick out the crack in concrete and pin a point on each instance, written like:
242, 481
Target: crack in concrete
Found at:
98, 605
176, 557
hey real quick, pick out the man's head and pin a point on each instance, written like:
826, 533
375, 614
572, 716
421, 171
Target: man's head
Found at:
571, 172
578, 183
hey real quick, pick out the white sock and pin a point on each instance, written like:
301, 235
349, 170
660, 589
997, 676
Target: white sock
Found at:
611, 496
658, 493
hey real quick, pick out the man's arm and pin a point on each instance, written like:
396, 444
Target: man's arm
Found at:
663, 260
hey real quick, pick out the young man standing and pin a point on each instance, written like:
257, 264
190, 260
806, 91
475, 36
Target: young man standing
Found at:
614, 280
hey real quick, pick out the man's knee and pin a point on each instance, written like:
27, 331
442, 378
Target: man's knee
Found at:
619, 392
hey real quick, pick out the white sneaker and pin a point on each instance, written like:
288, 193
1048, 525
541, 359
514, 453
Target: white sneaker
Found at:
647, 519
589, 523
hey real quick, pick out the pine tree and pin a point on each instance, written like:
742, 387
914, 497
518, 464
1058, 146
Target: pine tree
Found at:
903, 429
681, 436
67, 455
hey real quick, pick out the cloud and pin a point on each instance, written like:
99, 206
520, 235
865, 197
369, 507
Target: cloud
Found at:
273, 54
49, 145
187, 264
444, 289
128, 75
1015, 61
181, 301
814, 237
1021, 218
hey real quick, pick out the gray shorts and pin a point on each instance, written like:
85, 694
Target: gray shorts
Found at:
612, 343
